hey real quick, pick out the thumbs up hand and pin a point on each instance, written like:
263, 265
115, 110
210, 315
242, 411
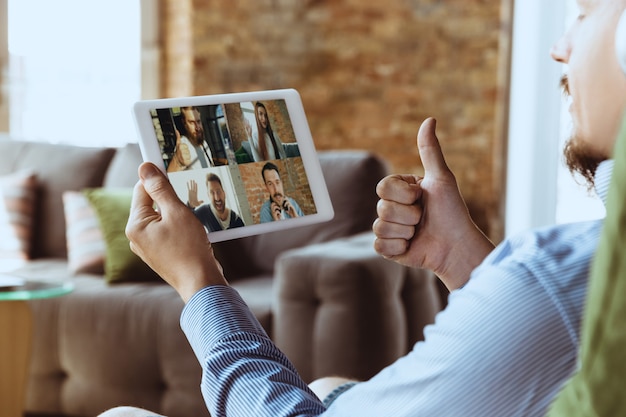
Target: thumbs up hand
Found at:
423, 222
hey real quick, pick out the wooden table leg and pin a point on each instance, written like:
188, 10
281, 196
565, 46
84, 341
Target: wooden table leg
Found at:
15, 344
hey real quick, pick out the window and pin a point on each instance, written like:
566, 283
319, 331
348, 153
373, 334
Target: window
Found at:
540, 189
74, 70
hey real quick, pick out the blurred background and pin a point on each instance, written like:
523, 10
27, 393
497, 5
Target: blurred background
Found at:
368, 72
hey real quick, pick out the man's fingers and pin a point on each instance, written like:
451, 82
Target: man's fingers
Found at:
140, 201
402, 189
390, 248
393, 212
389, 230
430, 150
141, 211
157, 186
140, 197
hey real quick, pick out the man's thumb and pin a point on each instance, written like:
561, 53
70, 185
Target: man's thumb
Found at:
429, 148
157, 185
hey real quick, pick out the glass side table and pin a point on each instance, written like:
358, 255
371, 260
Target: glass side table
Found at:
16, 332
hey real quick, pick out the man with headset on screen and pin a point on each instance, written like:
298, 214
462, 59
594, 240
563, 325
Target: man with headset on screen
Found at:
278, 206
508, 338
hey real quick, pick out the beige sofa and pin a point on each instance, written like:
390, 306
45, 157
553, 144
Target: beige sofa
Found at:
321, 292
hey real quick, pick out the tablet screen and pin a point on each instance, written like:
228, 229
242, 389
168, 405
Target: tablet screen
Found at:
239, 164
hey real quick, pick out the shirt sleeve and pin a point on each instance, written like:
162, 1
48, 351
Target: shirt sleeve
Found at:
243, 372
486, 355
266, 213
503, 346
295, 204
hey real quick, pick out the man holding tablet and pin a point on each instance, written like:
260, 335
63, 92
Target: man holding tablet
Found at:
508, 338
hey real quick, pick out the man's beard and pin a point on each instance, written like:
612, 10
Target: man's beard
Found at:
219, 207
581, 160
579, 157
196, 138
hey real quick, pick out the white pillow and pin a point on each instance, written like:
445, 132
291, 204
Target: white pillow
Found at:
18, 192
86, 248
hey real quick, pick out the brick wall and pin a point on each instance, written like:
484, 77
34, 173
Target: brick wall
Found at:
368, 73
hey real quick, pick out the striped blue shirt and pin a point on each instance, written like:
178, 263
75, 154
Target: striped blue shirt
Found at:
502, 347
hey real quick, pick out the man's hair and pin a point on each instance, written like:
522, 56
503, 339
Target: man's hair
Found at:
211, 177
184, 118
269, 167
192, 108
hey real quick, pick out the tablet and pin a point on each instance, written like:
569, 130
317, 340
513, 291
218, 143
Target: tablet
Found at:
244, 163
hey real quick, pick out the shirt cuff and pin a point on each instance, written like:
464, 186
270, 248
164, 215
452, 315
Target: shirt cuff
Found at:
216, 312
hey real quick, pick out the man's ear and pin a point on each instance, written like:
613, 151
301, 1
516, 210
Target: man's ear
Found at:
620, 41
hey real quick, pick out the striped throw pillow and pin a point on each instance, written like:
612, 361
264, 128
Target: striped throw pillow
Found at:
86, 247
18, 192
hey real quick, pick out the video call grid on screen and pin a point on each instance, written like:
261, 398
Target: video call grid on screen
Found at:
214, 157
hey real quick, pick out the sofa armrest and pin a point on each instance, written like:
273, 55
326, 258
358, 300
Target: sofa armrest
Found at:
342, 309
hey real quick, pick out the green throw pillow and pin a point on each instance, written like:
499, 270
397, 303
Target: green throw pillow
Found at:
112, 206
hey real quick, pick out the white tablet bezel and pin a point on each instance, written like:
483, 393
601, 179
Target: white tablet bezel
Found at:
151, 151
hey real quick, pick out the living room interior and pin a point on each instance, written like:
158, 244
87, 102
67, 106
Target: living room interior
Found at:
368, 75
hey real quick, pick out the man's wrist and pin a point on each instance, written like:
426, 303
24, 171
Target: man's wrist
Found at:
464, 259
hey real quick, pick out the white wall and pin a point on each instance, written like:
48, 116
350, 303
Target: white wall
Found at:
534, 118
540, 189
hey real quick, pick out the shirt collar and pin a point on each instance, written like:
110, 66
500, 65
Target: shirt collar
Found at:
603, 179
